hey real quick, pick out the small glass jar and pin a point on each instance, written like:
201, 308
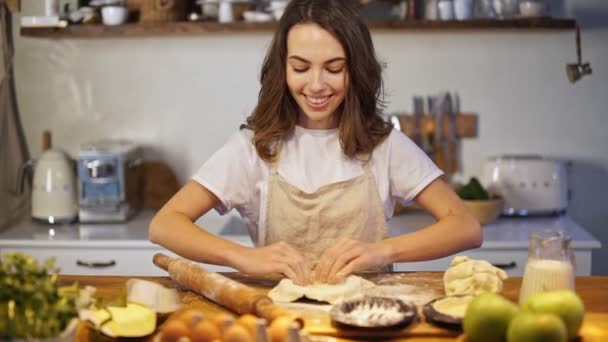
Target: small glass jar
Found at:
483, 9
430, 10
550, 264
506, 8
531, 8
446, 9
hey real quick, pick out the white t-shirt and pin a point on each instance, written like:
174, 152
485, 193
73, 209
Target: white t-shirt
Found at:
310, 159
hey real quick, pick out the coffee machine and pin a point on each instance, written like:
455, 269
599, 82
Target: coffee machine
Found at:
109, 181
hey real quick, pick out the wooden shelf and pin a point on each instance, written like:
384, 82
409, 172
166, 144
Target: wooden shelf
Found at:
197, 28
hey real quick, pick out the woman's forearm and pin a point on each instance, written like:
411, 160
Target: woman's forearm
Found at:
450, 235
177, 233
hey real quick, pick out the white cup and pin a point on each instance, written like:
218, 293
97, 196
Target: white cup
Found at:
51, 8
225, 12
114, 15
430, 10
463, 9
446, 10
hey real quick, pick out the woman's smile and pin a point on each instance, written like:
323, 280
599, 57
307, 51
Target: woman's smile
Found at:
317, 102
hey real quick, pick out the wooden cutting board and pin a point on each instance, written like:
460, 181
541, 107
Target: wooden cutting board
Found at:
595, 328
593, 290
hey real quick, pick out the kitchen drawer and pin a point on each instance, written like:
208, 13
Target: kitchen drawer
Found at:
513, 261
105, 261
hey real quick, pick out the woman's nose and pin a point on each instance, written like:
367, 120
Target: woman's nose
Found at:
316, 81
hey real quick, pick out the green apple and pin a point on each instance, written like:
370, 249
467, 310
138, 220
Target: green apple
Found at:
487, 318
566, 304
536, 327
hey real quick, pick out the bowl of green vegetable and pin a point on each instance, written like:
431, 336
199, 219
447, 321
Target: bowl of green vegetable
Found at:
484, 206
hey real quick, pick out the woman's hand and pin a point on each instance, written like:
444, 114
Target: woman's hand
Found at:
349, 256
278, 257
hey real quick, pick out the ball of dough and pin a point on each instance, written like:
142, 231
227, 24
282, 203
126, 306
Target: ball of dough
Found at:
468, 276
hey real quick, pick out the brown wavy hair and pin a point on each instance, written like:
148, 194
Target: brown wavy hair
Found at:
361, 125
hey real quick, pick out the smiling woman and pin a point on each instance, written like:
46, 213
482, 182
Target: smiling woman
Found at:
315, 170
316, 75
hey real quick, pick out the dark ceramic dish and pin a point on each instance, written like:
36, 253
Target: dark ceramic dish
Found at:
373, 313
440, 319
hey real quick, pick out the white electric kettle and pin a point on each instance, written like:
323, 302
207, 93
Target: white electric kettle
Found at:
54, 194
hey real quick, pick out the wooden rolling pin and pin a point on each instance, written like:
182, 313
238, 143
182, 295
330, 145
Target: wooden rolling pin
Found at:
231, 294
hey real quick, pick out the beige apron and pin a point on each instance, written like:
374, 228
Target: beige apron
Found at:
313, 222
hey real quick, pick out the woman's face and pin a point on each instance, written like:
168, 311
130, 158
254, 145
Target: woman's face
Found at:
317, 77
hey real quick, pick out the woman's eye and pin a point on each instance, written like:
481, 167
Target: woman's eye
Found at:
300, 70
335, 71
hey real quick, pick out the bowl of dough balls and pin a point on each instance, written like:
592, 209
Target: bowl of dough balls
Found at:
484, 206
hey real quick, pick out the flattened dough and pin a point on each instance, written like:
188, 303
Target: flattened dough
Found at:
468, 276
286, 291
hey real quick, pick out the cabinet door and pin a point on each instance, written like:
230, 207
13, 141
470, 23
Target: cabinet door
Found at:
513, 261
105, 261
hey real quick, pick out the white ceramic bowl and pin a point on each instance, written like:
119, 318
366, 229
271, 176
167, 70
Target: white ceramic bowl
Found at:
530, 9
114, 15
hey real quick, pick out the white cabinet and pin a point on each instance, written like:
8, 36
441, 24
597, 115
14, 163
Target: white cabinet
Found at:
96, 249
105, 261
513, 261
505, 242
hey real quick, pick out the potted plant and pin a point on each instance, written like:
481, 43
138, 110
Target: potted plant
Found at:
484, 206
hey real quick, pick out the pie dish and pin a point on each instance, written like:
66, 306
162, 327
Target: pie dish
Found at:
373, 313
437, 315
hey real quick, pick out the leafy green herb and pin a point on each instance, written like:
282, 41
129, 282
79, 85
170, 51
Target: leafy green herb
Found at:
32, 304
473, 190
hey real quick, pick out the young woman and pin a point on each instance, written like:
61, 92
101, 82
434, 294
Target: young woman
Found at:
315, 171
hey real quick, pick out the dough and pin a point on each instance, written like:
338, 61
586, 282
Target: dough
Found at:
467, 276
286, 291
453, 306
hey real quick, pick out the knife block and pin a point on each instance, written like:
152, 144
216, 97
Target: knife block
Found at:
445, 153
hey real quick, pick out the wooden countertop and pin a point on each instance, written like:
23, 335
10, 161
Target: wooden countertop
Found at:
592, 289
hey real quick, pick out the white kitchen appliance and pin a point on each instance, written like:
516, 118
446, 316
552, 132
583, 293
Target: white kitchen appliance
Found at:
109, 180
53, 185
54, 188
530, 185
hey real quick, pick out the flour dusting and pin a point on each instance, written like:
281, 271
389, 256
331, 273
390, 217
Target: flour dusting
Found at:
406, 293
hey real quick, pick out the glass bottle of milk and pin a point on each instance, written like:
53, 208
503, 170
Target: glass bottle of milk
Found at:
550, 264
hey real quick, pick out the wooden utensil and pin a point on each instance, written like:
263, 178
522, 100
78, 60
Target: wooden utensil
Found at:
231, 294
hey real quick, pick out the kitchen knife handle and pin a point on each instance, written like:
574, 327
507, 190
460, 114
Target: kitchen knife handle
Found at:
510, 265
96, 264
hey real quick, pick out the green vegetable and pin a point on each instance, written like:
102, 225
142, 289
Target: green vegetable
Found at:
32, 304
473, 190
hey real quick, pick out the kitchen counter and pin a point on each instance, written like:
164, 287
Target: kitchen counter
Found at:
124, 249
503, 233
593, 291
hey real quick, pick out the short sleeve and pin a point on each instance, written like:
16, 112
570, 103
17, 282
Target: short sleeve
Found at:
228, 173
410, 169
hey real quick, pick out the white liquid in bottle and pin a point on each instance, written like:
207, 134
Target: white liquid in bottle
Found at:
545, 275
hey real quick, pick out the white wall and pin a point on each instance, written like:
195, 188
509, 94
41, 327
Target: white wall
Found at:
183, 97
